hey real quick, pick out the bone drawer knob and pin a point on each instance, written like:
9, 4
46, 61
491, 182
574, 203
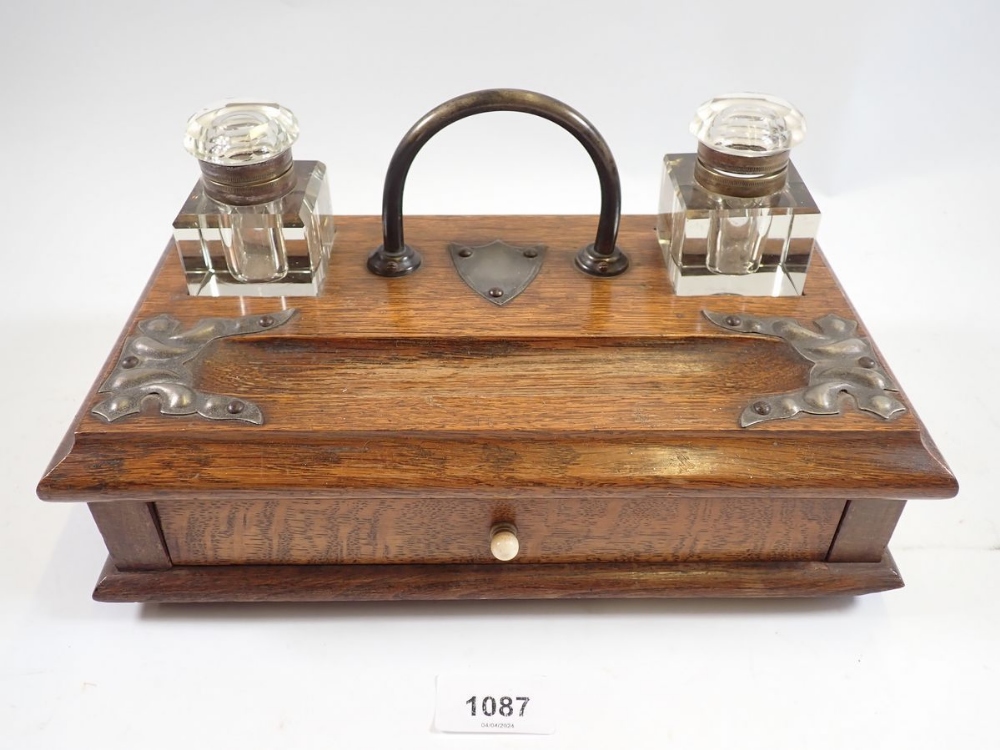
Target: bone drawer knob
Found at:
503, 542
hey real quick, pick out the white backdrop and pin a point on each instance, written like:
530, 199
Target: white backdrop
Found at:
902, 156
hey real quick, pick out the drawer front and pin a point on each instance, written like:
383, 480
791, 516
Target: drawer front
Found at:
312, 531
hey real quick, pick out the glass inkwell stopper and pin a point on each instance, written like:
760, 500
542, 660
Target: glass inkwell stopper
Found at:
244, 150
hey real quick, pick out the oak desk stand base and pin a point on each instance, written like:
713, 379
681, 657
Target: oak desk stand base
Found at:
405, 418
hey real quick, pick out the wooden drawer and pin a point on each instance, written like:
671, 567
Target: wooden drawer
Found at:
405, 530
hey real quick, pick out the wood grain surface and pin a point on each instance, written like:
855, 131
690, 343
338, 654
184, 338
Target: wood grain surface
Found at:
418, 384
865, 530
433, 319
658, 467
329, 583
132, 535
432, 530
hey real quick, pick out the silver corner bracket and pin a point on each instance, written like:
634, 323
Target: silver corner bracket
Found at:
843, 362
159, 361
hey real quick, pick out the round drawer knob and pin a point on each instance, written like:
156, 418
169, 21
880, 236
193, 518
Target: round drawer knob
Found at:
503, 542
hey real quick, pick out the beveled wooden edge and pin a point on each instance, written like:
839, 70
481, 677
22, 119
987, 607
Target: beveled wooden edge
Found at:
328, 583
742, 465
68, 442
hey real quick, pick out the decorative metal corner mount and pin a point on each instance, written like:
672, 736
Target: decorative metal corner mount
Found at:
843, 362
159, 361
497, 272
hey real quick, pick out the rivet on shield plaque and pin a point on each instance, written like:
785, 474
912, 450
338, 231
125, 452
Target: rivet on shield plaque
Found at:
498, 272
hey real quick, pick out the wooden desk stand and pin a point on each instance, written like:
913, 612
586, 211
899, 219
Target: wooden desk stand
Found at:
404, 418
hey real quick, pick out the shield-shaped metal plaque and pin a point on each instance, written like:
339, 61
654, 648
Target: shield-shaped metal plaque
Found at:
498, 272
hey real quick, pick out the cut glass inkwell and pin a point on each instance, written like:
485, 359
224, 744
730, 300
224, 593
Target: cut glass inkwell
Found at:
257, 223
736, 218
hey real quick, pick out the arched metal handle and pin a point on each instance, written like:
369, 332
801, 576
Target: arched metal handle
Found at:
603, 258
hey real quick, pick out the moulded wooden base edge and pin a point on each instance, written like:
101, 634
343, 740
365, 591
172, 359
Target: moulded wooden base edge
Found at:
327, 583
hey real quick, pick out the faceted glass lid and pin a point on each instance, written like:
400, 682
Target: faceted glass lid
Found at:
238, 133
748, 125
